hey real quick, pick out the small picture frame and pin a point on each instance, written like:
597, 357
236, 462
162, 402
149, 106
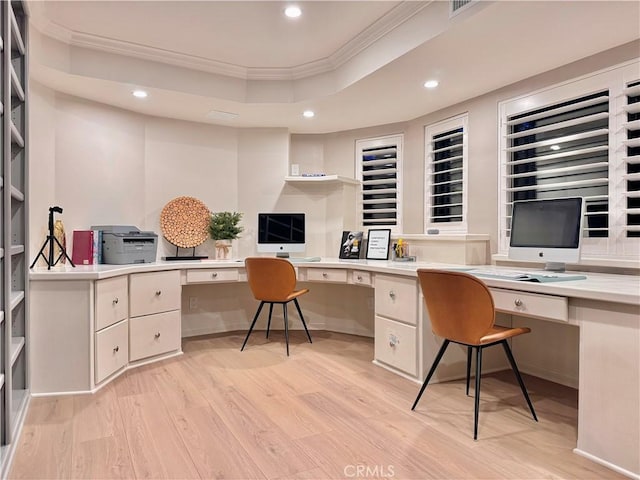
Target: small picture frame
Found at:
378, 241
351, 245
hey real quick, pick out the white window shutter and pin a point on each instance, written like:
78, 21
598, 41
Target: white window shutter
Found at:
379, 164
632, 160
579, 138
446, 160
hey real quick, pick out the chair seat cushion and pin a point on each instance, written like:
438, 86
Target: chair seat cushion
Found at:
498, 333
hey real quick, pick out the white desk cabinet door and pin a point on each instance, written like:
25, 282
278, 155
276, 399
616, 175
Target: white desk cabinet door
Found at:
332, 275
154, 334
112, 300
154, 292
395, 345
360, 277
549, 307
397, 298
212, 275
112, 350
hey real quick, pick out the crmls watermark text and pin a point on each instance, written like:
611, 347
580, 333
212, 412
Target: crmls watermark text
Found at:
369, 471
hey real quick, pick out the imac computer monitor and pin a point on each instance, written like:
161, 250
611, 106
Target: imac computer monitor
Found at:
547, 231
281, 233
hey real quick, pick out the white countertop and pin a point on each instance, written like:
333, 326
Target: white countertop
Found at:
597, 286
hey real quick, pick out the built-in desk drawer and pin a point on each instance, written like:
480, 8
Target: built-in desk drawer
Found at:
154, 334
210, 275
335, 275
360, 277
397, 297
154, 292
531, 304
395, 345
112, 301
112, 350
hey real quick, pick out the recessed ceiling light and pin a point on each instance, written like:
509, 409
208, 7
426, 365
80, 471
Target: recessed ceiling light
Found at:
308, 114
555, 147
431, 84
292, 11
140, 94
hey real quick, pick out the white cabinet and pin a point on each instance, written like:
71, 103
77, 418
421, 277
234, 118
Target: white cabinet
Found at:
154, 314
152, 335
549, 307
112, 350
111, 326
111, 301
213, 275
360, 277
396, 323
154, 292
397, 298
395, 344
332, 275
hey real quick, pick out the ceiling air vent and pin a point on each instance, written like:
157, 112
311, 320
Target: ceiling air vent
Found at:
458, 5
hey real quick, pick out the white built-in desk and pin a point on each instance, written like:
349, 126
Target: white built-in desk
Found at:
89, 324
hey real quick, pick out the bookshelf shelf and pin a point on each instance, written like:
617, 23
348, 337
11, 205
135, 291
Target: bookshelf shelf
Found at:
14, 301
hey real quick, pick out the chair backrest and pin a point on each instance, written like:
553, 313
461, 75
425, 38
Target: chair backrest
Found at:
271, 279
460, 306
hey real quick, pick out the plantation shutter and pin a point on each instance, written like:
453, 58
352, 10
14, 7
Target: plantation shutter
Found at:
379, 163
446, 161
562, 150
632, 160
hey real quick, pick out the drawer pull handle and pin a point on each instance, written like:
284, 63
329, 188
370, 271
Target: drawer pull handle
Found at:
359, 277
117, 349
392, 294
158, 293
517, 302
324, 275
157, 335
393, 341
115, 301
214, 275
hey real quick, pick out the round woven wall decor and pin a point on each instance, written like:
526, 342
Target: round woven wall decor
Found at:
184, 222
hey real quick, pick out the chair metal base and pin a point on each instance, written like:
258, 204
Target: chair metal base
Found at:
479, 349
286, 322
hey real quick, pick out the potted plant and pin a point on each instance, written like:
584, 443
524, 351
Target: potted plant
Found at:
224, 227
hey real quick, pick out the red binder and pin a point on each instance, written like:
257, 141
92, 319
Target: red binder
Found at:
82, 247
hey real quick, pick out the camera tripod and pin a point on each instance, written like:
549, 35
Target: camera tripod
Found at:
50, 242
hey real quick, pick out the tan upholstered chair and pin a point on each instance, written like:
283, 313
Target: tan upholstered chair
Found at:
461, 310
273, 280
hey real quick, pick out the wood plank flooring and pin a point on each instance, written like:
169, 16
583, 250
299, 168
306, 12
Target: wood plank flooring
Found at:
326, 412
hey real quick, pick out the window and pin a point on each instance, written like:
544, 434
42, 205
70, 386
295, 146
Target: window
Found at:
632, 159
581, 138
379, 162
445, 175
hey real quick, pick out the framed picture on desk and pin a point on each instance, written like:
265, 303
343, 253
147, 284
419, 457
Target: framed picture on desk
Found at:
350, 245
378, 241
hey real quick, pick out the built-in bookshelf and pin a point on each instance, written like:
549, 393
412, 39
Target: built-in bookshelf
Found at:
14, 314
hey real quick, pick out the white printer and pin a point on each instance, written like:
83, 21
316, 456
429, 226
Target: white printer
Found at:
124, 244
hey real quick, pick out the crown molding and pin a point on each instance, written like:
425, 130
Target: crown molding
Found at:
373, 33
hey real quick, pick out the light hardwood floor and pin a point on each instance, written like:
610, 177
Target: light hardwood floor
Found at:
324, 412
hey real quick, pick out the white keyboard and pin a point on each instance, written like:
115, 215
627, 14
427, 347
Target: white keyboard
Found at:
498, 272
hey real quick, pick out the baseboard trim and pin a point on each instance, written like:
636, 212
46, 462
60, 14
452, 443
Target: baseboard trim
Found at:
615, 468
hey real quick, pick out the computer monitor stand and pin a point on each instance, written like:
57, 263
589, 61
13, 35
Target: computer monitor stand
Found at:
555, 266
282, 255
